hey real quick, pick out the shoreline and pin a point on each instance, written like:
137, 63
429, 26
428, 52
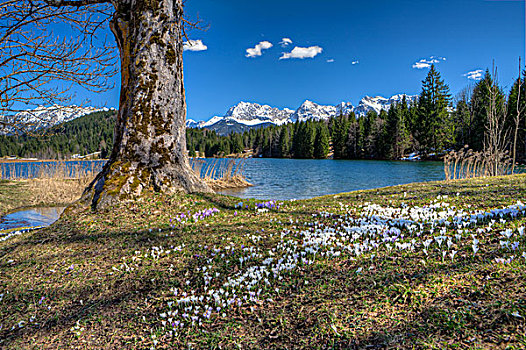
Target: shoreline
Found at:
4, 161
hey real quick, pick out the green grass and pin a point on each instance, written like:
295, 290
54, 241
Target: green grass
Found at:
105, 280
12, 195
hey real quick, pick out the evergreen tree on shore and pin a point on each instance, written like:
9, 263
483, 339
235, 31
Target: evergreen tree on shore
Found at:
435, 129
321, 143
339, 136
517, 117
479, 105
304, 140
284, 143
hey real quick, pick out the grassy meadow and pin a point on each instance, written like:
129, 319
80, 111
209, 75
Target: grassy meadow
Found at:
422, 266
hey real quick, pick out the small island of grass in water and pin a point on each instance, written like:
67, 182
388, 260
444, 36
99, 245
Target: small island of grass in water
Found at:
423, 265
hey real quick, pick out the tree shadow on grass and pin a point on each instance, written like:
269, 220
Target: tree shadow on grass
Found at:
36, 253
130, 290
70, 241
457, 313
103, 295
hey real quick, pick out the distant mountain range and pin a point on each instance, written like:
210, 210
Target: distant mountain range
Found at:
239, 118
245, 115
46, 117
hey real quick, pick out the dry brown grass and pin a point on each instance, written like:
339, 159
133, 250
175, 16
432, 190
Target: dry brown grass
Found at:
39, 192
236, 181
219, 175
467, 164
48, 191
58, 184
53, 184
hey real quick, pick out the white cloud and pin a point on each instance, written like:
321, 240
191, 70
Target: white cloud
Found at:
474, 75
302, 52
355, 62
330, 60
421, 65
256, 51
427, 62
285, 42
194, 45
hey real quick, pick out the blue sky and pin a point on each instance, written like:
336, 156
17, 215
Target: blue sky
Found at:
385, 39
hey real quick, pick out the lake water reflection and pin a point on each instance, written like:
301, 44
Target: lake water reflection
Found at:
283, 179
30, 218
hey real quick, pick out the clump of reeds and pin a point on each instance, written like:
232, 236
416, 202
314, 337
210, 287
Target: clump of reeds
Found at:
466, 164
78, 173
53, 183
220, 174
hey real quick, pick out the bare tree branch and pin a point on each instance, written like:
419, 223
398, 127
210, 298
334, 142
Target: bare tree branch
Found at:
40, 67
78, 3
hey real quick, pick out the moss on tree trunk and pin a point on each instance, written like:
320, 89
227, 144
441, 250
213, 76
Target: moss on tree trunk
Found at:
149, 150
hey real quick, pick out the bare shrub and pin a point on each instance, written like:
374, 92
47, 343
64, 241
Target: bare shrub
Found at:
52, 183
466, 164
220, 175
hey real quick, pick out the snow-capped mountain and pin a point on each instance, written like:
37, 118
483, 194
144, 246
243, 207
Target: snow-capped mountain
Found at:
210, 122
190, 123
344, 108
46, 117
253, 114
379, 103
245, 115
312, 111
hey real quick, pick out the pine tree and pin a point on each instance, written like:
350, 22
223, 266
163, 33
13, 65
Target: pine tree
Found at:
391, 132
377, 144
435, 129
404, 135
352, 139
368, 133
296, 139
284, 142
462, 117
321, 144
237, 143
310, 135
339, 136
516, 117
479, 104
267, 142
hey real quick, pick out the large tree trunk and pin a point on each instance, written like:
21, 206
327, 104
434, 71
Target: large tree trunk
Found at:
149, 150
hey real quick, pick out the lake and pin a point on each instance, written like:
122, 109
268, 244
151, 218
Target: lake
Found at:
31, 217
284, 179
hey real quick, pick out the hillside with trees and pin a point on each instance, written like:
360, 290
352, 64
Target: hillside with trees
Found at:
85, 135
430, 126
